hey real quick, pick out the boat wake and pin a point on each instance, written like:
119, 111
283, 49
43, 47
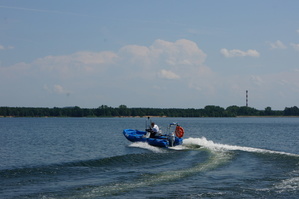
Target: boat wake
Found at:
199, 143
291, 184
200, 156
211, 160
203, 142
152, 179
144, 145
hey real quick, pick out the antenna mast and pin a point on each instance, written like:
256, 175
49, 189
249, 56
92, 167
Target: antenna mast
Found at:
246, 98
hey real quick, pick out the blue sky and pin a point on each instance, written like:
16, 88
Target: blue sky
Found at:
162, 54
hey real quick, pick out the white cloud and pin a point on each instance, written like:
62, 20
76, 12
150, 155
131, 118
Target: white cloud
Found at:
163, 53
277, 45
73, 65
91, 58
136, 54
97, 78
56, 89
167, 74
59, 89
295, 46
181, 52
172, 58
137, 71
239, 53
6, 47
133, 68
257, 80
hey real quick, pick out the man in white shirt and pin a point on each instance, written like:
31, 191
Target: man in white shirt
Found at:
155, 131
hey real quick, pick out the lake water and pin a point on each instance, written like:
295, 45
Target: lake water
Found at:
90, 158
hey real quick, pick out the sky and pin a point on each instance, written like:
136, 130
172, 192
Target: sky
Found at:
149, 53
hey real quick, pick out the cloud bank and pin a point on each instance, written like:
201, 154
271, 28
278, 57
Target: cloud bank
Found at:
163, 74
239, 53
6, 47
277, 45
295, 46
131, 69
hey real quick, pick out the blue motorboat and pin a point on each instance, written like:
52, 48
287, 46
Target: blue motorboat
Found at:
172, 138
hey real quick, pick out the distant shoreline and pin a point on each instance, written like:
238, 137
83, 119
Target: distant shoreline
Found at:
276, 116
1, 116
124, 111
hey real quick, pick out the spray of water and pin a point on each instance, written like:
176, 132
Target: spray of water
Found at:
146, 146
203, 142
286, 185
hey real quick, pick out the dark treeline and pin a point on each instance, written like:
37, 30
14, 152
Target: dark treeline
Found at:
124, 111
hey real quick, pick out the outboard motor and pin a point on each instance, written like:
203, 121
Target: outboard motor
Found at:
171, 139
171, 136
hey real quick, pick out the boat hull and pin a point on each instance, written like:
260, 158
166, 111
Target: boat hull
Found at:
161, 141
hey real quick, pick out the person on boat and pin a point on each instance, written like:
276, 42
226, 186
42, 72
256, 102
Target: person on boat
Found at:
154, 130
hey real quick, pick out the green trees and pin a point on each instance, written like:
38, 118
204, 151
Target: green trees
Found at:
124, 111
292, 111
214, 111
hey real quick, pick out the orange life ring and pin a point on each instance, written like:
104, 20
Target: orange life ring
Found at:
179, 131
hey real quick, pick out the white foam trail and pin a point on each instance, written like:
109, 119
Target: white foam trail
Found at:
291, 184
145, 145
212, 162
224, 147
178, 148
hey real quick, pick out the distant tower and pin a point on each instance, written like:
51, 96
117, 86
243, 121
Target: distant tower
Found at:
246, 98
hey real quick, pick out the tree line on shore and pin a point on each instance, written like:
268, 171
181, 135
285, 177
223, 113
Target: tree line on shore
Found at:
124, 111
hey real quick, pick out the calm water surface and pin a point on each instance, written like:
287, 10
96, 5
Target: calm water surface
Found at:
90, 158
